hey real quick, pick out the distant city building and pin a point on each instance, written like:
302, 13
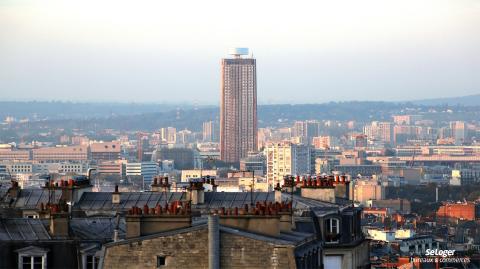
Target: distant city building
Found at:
380, 131
105, 151
209, 133
197, 173
110, 167
185, 137
360, 169
463, 211
169, 135
394, 205
406, 119
145, 169
286, 158
403, 133
79, 140
306, 130
238, 106
367, 189
465, 177
361, 141
64, 139
183, 158
14, 155
20, 168
60, 154
253, 163
324, 142
458, 131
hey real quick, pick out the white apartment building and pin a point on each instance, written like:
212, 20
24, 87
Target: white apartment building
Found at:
145, 169
286, 158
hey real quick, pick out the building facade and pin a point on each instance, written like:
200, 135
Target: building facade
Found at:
286, 158
238, 106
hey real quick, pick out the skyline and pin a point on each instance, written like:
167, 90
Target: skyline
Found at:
321, 51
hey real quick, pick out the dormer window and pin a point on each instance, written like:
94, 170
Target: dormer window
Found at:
332, 230
90, 257
32, 258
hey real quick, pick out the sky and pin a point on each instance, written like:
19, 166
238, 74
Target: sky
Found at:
307, 51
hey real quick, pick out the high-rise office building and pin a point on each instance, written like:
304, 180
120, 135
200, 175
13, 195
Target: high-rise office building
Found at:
381, 131
169, 135
458, 131
209, 132
238, 106
307, 130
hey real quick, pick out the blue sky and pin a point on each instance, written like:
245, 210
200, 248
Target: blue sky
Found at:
307, 51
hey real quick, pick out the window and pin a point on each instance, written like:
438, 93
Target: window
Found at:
32, 257
31, 262
92, 262
332, 230
161, 261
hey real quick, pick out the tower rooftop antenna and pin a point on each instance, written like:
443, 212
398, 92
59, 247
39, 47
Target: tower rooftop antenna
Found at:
238, 52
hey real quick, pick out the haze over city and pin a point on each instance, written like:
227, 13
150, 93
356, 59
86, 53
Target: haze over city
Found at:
307, 51
240, 134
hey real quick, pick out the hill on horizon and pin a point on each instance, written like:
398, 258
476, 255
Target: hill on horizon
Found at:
468, 100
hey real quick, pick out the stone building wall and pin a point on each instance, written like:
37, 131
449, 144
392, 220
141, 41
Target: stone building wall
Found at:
238, 252
190, 250
183, 250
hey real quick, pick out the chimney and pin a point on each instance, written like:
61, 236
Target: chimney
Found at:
116, 196
146, 221
160, 184
59, 222
278, 193
43, 212
263, 219
342, 188
72, 189
213, 242
210, 180
14, 190
327, 189
322, 190
196, 192
115, 231
286, 222
289, 184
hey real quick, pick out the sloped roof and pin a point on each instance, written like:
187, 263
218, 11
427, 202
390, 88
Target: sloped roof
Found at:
95, 228
32, 198
26, 229
23, 229
102, 201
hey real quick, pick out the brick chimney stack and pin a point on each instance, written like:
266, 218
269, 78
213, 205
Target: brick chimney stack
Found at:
264, 218
59, 222
146, 221
14, 190
116, 196
196, 192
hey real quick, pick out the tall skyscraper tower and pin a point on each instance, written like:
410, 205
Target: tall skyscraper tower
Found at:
238, 108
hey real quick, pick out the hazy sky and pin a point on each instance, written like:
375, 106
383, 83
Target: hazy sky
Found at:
307, 51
